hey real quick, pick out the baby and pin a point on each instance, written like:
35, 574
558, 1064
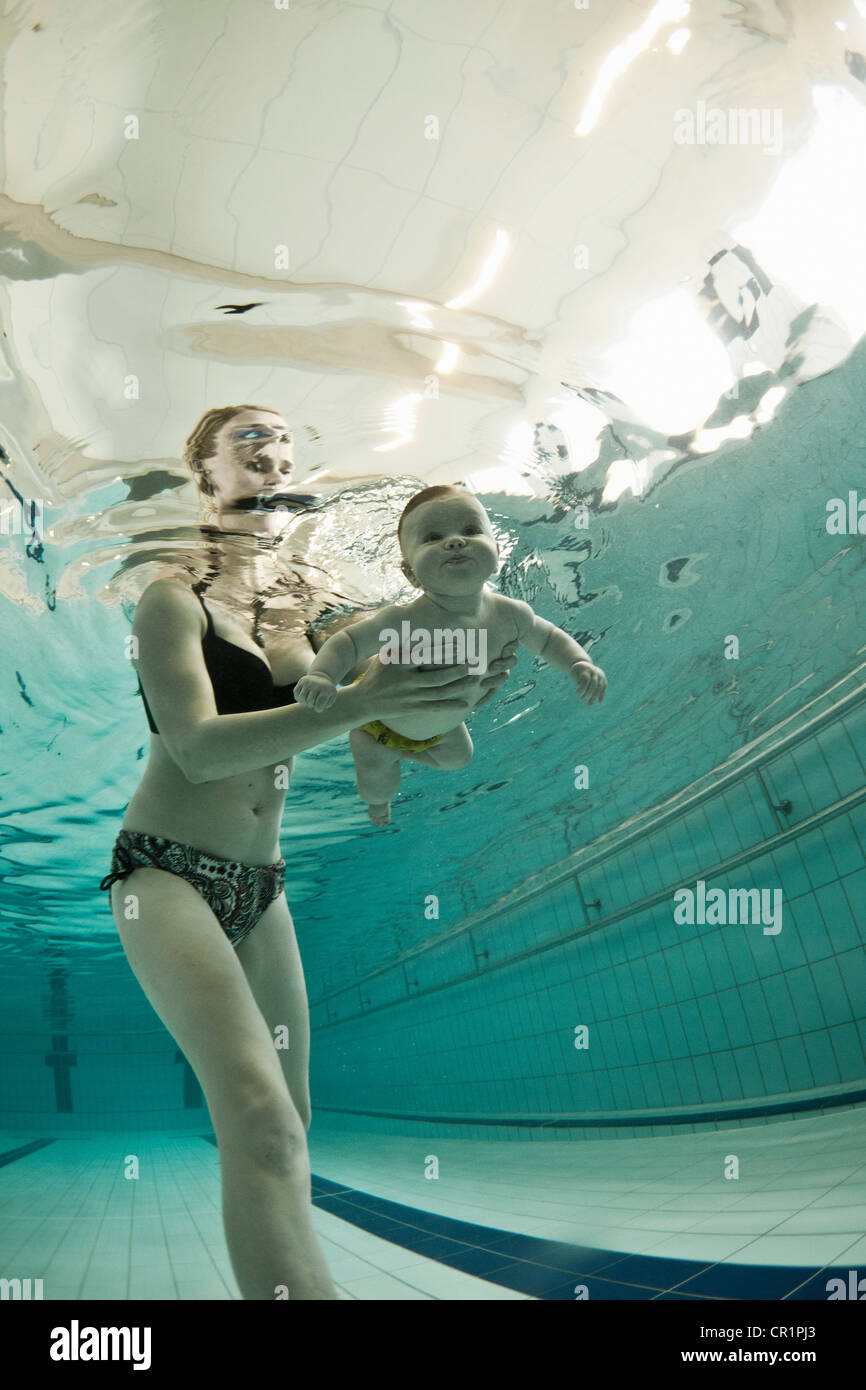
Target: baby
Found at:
449, 550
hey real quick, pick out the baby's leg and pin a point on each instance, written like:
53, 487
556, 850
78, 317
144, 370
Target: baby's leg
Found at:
455, 750
377, 771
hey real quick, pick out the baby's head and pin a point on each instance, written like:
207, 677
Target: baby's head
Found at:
439, 525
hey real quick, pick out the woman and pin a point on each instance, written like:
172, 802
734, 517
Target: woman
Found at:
197, 881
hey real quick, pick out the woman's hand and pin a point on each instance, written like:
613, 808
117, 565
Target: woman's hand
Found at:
498, 672
391, 690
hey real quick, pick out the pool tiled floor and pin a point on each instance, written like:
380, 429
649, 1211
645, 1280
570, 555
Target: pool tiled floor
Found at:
623, 1219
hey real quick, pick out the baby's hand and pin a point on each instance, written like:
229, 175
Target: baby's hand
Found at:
316, 691
590, 680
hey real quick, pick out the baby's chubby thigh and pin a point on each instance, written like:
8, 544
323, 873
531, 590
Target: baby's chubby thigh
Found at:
453, 751
377, 768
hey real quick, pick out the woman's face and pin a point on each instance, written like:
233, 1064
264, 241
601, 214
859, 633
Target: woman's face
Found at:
253, 454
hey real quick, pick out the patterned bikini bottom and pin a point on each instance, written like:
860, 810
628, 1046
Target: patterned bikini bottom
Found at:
237, 894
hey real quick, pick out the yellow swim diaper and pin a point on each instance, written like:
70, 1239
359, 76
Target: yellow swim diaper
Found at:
382, 734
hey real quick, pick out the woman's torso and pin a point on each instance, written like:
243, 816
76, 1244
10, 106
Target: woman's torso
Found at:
233, 817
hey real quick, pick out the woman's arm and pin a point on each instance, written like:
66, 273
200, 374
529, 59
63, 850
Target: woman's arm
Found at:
208, 746
230, 744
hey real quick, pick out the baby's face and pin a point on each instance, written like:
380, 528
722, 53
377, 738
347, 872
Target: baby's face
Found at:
449, 546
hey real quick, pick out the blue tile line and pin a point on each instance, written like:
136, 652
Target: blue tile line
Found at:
743, 1111
12, 1155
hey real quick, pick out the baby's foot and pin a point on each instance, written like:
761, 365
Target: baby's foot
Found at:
379, 812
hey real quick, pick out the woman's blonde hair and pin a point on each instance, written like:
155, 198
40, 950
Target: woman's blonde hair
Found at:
201, 444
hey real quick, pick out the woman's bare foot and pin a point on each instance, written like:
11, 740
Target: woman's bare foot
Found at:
380, 814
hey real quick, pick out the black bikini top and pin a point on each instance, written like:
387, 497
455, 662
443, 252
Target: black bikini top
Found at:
242, 682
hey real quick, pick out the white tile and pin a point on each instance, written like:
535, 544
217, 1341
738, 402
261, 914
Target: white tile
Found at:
743, 1223
382, 1287
345, 1266
770, 1200
705, 1246
824, 1221
843, 1193
442, 1282
672, 1222
854, 1255
810, 1251
61, 1292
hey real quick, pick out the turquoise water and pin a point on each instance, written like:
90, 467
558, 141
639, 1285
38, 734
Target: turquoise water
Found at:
470, 1014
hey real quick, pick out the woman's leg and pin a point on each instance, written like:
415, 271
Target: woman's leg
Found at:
272, 964
195, 983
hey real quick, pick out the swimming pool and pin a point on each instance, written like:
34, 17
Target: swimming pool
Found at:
504, 962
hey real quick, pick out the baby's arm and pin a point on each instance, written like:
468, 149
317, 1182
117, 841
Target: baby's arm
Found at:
318, 688
544, 640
